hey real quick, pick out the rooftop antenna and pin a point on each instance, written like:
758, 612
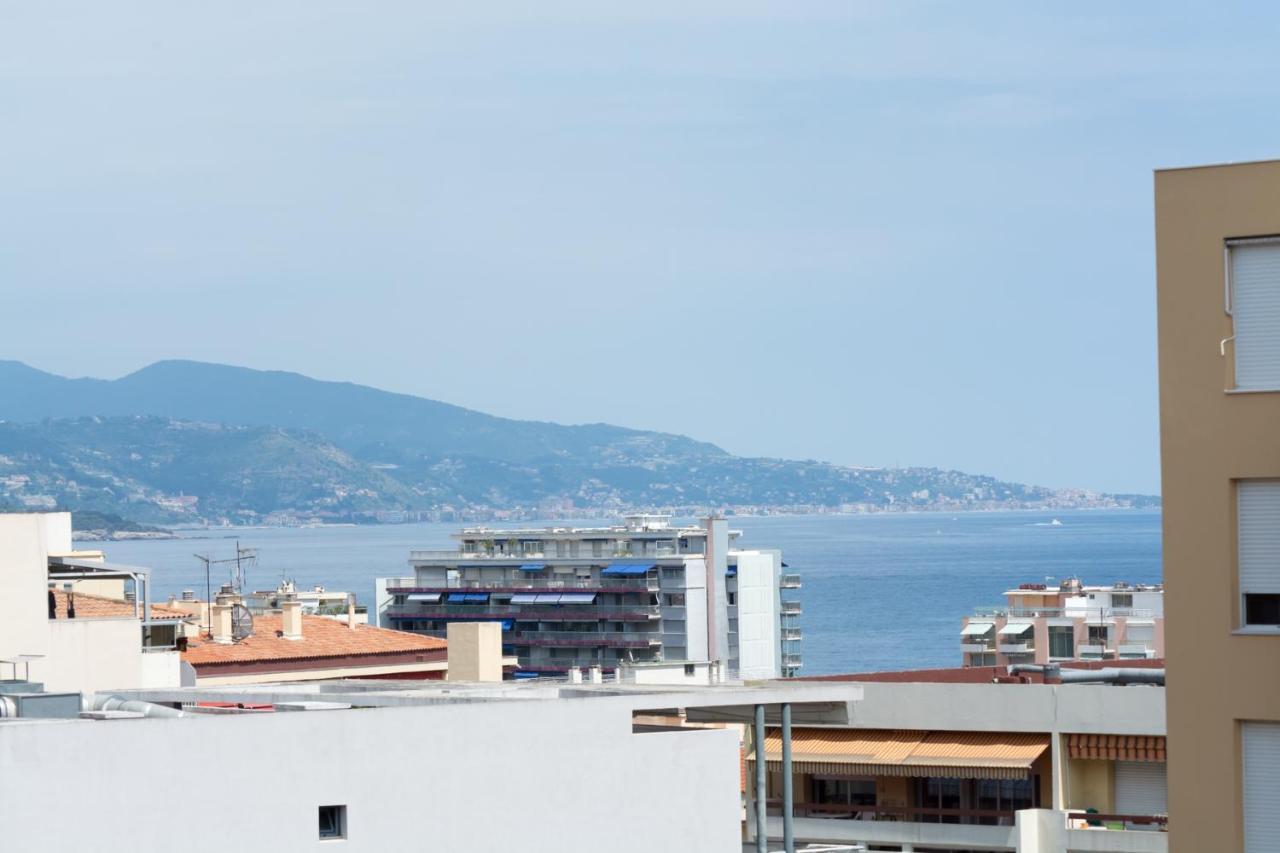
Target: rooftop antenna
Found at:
243, 556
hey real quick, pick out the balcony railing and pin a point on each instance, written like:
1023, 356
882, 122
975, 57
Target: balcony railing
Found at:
429, 556
531, 612
1017, 648
793, 661
977, 648
791, 608
790, 582
610, 639
409, 585
1091, 613
792, 635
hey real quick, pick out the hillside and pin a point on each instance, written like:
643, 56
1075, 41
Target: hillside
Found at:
186, 441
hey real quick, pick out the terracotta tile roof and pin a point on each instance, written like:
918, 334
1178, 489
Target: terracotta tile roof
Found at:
321, 638
880, 752
101, 607
1117, 747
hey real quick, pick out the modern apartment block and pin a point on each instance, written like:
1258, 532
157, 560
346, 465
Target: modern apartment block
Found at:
1041, 623
1218, 267
637, 592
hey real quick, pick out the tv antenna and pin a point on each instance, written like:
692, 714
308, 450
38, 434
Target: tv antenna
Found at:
244, 557
241, 623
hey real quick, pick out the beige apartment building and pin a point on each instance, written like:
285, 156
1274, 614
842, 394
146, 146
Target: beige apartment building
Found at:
1218, 268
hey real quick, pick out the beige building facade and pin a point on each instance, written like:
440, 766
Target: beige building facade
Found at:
1218, 269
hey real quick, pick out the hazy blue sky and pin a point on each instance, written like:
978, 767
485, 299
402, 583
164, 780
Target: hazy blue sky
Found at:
872, 233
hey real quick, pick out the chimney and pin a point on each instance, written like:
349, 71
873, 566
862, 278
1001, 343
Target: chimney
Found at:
575, 675
475, 651
595, 674
351, 610
222, 623
291, 619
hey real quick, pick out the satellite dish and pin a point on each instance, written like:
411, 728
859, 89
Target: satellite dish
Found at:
241, 622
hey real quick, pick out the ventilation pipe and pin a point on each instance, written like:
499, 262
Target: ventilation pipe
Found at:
1106, 675
107, 702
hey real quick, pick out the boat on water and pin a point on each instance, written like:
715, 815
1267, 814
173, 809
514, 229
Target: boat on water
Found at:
1055, 523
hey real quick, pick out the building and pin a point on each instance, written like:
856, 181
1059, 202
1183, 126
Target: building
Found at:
1218, 270
975, 759
637, 592
56, 626
288, 645
1041, 623
530, 766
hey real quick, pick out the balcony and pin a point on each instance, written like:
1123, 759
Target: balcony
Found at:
1023, 648
790, 582
404, 586
1134, 651
1093, 651
791, 608
529, 612
578, 639
1094, 614
497, 554
792, 635
977, 648
792, 661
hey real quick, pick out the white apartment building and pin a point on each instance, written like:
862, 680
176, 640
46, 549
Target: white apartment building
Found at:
637, 592
107, 643
1043, 623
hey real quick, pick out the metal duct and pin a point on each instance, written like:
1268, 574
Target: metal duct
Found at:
107, 702
1106, 675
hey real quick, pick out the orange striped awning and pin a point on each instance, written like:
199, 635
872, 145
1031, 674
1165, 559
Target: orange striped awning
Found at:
1117, 747
882, 752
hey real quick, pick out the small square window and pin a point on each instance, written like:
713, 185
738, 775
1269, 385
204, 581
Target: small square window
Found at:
333, 821
689, 669
1261, 609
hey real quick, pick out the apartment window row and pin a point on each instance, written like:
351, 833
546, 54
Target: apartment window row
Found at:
1253, 301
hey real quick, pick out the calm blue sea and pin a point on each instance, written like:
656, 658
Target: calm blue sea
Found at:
880, 592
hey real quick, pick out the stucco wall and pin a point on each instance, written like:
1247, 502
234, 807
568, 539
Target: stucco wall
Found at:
558, 776
26, 540
1209, 438
102, 654
759, 643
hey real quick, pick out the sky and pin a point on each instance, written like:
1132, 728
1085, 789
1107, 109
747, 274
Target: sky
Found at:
872, 233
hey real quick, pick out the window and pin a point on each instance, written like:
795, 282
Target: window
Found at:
1260, 750
844, 792
333, 821
1258, 534
672, 573
733, 599
1062, 641
690, 669
1121, 599
675, 599
1253, 301
1098, 635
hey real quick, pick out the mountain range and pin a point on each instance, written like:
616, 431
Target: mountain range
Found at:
184, 440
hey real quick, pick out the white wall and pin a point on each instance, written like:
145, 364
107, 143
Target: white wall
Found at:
560, 776
26, 540
759, 643
695, 608
102, 654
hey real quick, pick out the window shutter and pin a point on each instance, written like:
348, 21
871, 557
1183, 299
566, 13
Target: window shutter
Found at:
1261, 752
1255, 306
1141, 788
1258, 519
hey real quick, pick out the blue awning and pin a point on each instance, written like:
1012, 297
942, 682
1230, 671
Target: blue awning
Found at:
626, 569
549, 598
731, 571
456, 597
577, 598
477, 597
523, 598
533, 567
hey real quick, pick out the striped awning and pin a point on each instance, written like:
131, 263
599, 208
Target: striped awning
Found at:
882, 752
1117, 747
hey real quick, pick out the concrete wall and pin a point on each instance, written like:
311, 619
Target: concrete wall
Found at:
102, 654
538, 777
759, 643
1091, 784
1208, 439
1067, 708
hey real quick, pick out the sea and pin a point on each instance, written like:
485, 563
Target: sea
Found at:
880, 592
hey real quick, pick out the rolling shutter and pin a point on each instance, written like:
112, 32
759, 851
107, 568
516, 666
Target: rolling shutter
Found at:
1260, 744
1141, 788
1255, 307
1258, 519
